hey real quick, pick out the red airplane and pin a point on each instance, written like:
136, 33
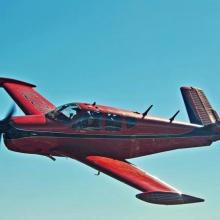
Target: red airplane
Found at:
104, 137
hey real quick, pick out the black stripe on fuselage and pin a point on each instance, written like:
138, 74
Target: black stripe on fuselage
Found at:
16, 133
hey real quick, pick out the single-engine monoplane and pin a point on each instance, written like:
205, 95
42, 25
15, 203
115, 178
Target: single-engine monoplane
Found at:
105, 138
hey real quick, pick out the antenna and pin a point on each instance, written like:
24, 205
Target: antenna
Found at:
146, 112
174, 116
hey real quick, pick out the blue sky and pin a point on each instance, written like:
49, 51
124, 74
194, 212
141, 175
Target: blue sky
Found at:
127, 54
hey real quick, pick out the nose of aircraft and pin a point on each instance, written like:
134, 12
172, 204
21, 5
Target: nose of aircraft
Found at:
4, 122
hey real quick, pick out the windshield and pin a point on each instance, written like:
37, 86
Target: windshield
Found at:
65, 112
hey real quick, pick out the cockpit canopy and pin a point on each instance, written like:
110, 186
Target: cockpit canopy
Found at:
88, 119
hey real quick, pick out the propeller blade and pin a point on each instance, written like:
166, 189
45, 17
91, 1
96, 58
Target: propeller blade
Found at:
4, 122
9, 114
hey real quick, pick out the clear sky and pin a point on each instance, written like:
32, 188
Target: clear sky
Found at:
123, 53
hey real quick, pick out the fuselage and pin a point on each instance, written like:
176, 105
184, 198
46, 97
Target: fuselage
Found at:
80, 129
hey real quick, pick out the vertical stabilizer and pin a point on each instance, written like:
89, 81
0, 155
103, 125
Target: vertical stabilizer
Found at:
198, 107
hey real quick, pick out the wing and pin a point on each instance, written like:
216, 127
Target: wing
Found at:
27, 98
154, 190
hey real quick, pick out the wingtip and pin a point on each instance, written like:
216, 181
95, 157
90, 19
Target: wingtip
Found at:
10, 80
168, 198
191, 199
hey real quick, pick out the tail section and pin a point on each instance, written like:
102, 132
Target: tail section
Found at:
27, 98
198, 107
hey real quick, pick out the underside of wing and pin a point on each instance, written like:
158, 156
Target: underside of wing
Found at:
153, 189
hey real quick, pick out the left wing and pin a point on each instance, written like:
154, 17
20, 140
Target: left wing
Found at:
154, 190
27, 98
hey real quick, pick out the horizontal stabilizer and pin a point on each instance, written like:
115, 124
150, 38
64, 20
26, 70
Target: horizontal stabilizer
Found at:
198, 107
167, 198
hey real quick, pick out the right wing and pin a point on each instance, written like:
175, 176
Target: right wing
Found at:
154, 190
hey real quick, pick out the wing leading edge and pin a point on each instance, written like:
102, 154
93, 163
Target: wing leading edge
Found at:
153, 190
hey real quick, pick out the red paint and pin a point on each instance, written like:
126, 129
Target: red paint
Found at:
30, 101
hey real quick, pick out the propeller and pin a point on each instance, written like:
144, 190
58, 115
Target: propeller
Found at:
4, 122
